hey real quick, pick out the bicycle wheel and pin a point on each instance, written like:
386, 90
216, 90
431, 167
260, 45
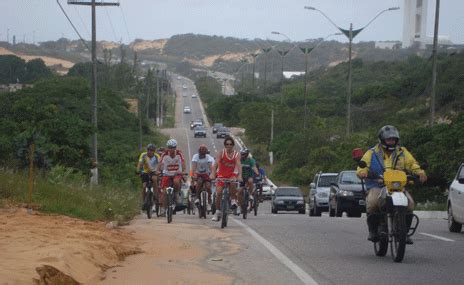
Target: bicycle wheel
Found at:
246, 202
149, 203
255, 203
399, 233
224, 208
169, 209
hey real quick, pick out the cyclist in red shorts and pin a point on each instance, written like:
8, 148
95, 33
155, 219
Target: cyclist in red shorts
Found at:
172, 165
227, 166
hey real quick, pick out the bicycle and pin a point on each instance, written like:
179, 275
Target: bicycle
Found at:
203, 197
255, 202
150, 198
171, 204
225, 201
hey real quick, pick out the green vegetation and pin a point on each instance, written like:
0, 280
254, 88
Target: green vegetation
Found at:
55, 115
69, 197
15, 70
383, 93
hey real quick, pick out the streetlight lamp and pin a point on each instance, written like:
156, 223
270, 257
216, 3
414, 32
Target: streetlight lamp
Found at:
350, 34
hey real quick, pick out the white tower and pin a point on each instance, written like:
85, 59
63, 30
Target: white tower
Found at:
414, 23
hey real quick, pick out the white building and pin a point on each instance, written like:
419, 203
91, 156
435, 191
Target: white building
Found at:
415, 23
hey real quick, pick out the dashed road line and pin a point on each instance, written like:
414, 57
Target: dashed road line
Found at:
302, 275
437, 237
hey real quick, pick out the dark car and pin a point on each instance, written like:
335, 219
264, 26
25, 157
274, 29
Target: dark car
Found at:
222, 133
347, 195
288, 199
216, 127
199, 131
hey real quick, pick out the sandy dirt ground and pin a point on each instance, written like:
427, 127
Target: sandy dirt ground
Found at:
50, 249
176, 253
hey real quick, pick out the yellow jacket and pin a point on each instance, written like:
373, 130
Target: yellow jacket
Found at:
400, 159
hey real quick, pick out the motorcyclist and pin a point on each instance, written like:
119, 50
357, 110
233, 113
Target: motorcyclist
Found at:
387, 154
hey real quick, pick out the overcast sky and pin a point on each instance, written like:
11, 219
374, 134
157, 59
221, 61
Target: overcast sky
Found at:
155, 19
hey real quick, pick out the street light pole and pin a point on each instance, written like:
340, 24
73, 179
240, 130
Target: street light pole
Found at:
350, 34
266, 51
306, 52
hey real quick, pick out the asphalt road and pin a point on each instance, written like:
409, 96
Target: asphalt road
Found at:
290, 248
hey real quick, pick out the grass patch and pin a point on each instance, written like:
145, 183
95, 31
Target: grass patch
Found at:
77, 200
431, 206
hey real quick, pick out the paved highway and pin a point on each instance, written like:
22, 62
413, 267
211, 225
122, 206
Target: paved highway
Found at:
290, 248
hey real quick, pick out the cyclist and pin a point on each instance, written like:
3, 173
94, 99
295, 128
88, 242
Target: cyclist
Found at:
172, 164
227, 166
261, 178
202, 166
249, 171
387, 154
146, 167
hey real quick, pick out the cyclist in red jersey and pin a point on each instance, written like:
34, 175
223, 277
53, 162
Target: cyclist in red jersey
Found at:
227, 166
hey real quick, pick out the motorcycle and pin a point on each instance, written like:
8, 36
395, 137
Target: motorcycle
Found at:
393, 228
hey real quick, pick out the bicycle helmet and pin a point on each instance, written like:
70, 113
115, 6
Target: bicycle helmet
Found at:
244, 151
172, 143
151, 146
388, 132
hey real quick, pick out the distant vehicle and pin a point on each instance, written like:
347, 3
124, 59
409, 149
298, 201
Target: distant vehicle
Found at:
199, 131
187, 110
319, 193
268, 190
194, 123
287, 199
178, 77
456, 202
222, 133
347, 195
184, 86
216, 127
194, 95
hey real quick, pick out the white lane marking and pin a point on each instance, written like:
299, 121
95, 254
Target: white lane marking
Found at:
437, 237
188, 143
305, 277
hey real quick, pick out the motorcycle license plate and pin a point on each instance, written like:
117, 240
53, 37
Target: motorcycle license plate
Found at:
362, 202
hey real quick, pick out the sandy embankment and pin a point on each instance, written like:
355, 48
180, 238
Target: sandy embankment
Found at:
52, 249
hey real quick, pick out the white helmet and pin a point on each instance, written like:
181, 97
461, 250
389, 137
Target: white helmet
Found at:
172, 143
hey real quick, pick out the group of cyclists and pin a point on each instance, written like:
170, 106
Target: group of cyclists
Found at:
166, 167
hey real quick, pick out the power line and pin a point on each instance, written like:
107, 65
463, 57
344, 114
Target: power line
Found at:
125, 24
82, 21
111, 24
77, 32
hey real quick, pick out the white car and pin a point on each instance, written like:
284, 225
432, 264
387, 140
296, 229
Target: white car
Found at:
456, 202
319, 193
194, 95
187, 110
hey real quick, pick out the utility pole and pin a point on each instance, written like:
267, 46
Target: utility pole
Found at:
282, 54
254, 55
434, 64
93, 5
271, 155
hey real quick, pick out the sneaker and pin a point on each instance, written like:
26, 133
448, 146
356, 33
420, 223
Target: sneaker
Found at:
208, 207
217, 217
